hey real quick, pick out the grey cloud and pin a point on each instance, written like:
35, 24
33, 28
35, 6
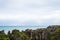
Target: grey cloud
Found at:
36, 7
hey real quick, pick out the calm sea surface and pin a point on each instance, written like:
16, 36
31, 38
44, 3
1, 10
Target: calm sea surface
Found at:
9, 28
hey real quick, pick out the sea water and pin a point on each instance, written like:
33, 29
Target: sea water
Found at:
10, 28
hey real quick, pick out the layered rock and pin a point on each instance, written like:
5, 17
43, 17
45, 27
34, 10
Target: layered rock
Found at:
40, 34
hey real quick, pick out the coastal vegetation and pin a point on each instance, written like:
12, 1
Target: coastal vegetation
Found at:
49, 33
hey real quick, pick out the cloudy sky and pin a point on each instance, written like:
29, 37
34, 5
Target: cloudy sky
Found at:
30, 12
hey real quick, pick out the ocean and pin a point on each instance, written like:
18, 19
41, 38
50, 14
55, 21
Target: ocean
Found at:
10, 28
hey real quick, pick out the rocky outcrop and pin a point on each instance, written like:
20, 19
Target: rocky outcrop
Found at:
40, 34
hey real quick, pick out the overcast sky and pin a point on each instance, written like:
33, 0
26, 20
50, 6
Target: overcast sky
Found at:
30, 12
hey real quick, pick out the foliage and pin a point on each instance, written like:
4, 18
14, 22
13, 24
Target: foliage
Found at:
3, 36
55, 35
50, 33
17, 35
